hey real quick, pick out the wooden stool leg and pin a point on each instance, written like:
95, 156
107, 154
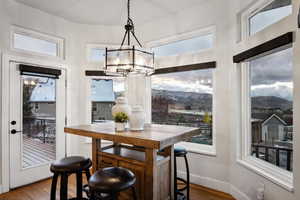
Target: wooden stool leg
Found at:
187, 178
53, 186
134, 193
64, 187
79, 185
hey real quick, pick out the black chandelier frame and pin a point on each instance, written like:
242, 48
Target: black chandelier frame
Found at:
129, 30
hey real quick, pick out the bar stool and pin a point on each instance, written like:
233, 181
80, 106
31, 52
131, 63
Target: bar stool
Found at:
107, 183
181, 152
65, 167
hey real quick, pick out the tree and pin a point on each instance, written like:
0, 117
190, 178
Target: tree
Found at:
207, 118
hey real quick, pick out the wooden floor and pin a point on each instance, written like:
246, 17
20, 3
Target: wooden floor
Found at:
35, 152
41, 191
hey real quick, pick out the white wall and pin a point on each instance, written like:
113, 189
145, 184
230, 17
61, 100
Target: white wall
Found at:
221, 171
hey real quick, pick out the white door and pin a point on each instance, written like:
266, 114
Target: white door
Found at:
37, 118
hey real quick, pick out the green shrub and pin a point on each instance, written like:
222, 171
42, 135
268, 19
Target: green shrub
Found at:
121, 117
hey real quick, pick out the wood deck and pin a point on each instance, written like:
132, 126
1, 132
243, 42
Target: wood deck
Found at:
35, 152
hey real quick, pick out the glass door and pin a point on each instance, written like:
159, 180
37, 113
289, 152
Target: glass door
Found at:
36, 125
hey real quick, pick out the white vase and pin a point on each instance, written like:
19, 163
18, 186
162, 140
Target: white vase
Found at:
121, 106
120, 126
137, 118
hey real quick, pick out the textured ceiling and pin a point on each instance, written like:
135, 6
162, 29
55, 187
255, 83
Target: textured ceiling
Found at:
110, 12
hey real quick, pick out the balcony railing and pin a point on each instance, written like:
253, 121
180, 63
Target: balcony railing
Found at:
280, 156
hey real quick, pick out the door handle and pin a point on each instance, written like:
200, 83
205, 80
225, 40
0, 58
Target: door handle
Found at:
14, 131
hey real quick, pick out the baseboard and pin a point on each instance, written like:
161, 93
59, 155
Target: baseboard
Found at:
0, 189
237, 194
216, 185
207, 182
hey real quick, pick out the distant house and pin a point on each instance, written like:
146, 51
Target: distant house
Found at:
42, 99
103, 99
273, 129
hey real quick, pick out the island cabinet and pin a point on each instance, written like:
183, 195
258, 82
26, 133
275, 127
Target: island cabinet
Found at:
148, 153
134, 159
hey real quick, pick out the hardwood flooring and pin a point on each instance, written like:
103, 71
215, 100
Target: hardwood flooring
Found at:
41, 191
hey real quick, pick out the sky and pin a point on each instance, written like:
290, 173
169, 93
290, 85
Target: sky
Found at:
272, 75
263, 19
199, 81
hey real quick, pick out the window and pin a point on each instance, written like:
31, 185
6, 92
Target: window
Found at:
269, 15
271, 93
185, 46
36, 43
185, 98
103, 95
96, 54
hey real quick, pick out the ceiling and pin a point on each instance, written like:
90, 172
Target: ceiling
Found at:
110, 12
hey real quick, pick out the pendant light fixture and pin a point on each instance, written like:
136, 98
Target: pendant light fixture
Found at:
128, 58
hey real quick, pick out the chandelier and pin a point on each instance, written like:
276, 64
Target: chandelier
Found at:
128, 58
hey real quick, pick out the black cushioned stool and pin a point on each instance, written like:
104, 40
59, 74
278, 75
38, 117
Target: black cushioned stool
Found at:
181, 152
65, 167
107, 183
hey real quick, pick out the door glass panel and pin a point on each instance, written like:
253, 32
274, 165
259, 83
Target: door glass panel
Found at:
39, 120
104, 93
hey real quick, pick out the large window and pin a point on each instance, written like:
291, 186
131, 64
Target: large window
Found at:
186, 99
103, 95
192, 45
270, 14
271, 93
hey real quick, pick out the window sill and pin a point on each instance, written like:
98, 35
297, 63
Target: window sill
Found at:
206, 150
274, 174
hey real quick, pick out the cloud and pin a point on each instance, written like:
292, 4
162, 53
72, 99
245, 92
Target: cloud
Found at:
199, 81
277, 67
278, 89
272, 75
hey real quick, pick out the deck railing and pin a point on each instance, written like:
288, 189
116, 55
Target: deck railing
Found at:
265, 154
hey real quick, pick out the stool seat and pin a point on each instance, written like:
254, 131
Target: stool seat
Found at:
71, 164
64, 168
112, 180
180, 151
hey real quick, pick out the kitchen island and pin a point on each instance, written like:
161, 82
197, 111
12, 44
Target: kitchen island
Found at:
148, 153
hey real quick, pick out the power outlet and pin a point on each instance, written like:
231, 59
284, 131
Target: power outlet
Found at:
260, 192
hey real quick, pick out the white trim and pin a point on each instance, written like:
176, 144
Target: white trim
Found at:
215, 184
276, 116
1, 189
237, 194
6, 59
60, 42
276, 175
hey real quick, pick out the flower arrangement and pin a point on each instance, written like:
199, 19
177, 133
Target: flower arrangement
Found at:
121, 117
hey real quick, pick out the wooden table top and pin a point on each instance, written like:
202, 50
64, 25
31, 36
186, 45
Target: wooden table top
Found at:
155, 136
